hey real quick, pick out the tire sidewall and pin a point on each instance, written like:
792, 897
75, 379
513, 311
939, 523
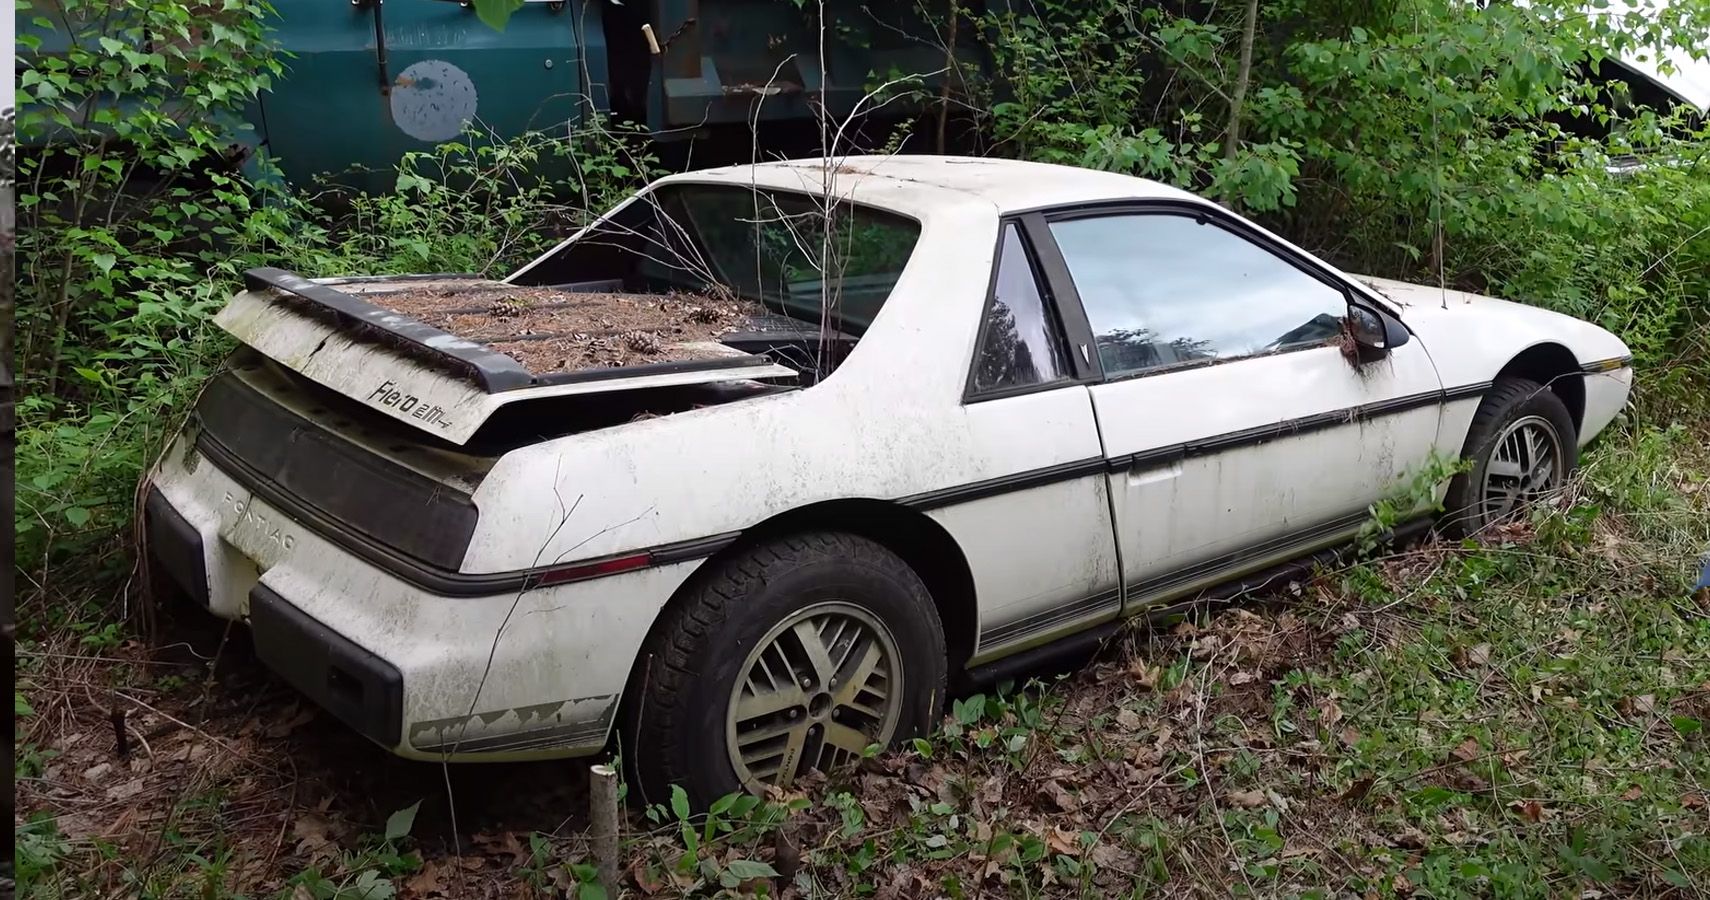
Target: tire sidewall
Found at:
1464, 506
893, 594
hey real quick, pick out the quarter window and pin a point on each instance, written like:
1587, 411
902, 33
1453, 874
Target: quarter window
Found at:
1168, 290
1019, 342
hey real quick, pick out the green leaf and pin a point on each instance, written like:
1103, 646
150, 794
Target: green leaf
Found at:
745, 869
20, 706
77, 516
399, 823
1687, 725
104, 261
496, 12
679, 802
590, 891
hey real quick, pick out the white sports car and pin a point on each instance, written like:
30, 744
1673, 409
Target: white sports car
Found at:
909, 423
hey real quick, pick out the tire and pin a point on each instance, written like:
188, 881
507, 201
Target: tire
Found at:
677, 726
1510, 402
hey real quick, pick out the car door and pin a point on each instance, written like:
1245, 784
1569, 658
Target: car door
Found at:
1037, 541
1236, 431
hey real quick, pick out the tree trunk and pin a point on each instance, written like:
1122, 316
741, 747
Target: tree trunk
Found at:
1242, 76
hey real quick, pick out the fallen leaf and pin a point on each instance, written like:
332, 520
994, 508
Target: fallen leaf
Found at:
426, 880
1693, 800
1479, 655
1064, 800
505, 842
1645, 704
1064, 841
1240, 678
1350, 736
639, 872
1358, 790
1530, 810
299, 717
1633, 793
1248, 799
1129, 720
95, 772
126, 790
1468, 751
1144, 675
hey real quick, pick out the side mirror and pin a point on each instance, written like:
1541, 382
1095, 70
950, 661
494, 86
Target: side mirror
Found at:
1375, 333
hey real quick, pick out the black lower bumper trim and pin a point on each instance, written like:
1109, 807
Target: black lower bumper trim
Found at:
361, 689
177, 546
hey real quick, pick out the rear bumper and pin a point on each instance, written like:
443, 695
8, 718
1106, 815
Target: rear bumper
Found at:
527, 674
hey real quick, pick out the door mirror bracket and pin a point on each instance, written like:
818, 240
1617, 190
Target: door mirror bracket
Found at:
1375, 333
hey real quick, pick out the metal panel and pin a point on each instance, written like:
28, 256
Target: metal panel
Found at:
336, 110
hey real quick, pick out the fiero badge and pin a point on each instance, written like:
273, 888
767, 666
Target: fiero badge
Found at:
387, 394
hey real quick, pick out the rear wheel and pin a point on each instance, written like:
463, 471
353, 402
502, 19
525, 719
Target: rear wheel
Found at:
1522, 446
793, 656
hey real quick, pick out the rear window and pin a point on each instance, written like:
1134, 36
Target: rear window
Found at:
761, 245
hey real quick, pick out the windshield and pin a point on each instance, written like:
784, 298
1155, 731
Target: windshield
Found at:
760, 245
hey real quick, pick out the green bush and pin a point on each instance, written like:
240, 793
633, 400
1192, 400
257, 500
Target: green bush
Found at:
137, 223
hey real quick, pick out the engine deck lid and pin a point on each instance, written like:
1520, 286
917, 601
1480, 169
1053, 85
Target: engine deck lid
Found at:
344, 334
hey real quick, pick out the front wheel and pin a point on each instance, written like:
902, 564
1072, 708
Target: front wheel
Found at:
796, 655
1522, 446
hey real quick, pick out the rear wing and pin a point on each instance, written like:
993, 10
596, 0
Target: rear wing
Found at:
442, 383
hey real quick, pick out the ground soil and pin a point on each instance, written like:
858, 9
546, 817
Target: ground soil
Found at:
556, 331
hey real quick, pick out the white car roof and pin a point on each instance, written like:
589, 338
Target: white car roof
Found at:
916, 184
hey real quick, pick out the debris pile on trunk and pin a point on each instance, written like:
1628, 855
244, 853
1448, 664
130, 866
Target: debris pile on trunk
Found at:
555, 331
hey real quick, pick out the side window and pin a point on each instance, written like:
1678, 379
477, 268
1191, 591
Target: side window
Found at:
1019, 342
1164, 290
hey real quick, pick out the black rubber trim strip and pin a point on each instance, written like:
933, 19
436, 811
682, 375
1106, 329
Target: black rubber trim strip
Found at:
177, 546
1612, 364
992, 487
1466, 390
664, 368
432, 579
1208, 567
489, 369
354, 684
1046, 620
1234, 440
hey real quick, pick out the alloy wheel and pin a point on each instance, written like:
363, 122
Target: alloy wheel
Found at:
817, 690
1525, 464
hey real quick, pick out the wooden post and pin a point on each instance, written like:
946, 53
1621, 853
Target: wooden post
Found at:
604, 824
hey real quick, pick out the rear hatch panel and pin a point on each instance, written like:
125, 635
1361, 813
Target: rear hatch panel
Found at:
440, 383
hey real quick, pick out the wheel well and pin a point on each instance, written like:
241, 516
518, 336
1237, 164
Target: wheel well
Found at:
1555, 367
921, 542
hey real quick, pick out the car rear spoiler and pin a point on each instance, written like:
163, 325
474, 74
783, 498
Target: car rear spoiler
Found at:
445, 384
